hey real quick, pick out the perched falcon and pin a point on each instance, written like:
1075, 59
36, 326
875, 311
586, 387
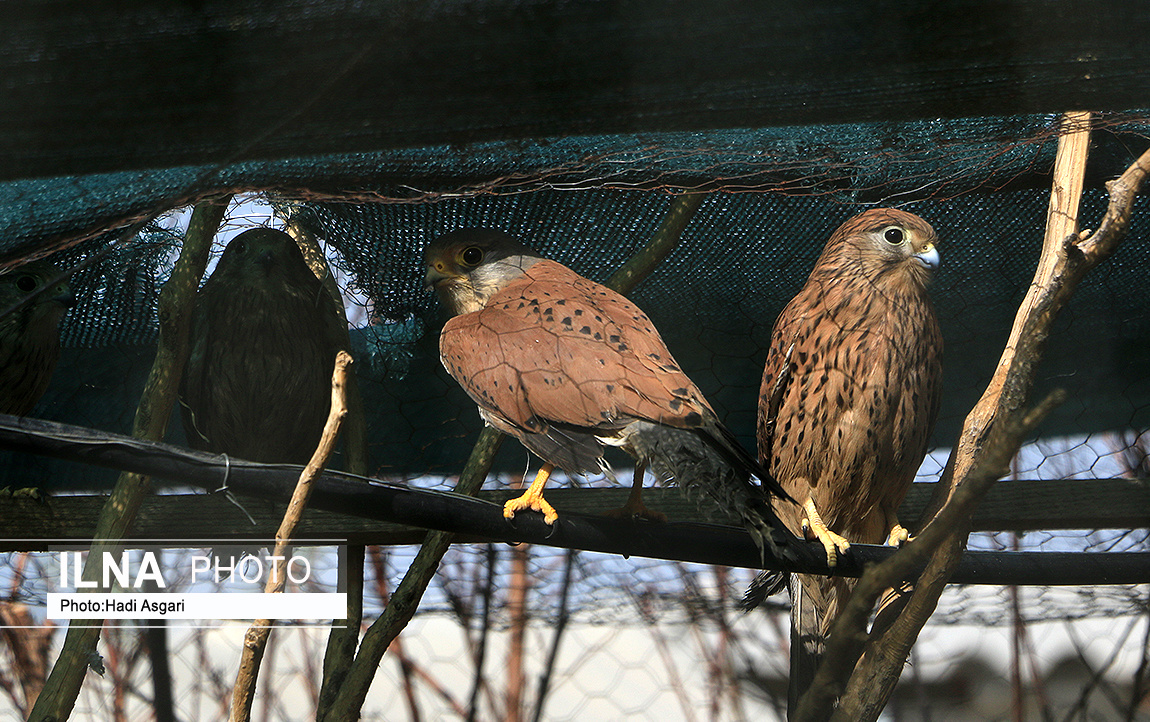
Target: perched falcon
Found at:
29, 336
851, 390
263, 343
568, 366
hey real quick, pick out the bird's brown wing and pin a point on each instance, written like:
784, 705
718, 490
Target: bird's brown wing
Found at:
553, 349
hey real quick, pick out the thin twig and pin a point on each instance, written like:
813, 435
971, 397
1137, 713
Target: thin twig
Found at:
517, 589
557, 636
256, 638
674, 679
484, 629
413, 671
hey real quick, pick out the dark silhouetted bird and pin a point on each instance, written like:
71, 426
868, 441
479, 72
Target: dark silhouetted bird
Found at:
568, 366
29, 336
263, 343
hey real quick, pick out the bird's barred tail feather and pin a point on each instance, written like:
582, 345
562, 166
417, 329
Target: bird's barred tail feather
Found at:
764, 584
690, 459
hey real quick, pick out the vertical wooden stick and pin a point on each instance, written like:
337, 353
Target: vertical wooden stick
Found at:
256, 638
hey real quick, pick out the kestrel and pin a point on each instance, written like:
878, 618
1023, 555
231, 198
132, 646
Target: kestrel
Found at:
263, 343
568, 366
29, 336
851, 388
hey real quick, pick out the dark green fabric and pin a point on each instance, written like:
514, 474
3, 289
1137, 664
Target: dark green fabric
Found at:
714, 299
105, 86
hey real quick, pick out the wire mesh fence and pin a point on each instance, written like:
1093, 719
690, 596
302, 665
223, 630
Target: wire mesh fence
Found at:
532, 633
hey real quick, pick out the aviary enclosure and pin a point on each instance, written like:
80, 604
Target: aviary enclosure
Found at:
695, 156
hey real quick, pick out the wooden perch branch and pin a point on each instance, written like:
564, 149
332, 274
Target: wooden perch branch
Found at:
256, 638
989, 438
581, 526
666, 238
177, 299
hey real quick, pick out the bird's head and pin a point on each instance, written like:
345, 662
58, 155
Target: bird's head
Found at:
467, 266
51, 299
264, 259
890, 244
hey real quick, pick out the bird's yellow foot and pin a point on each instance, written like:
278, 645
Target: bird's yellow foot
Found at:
814, 528
898, 536
533, 498
534, 502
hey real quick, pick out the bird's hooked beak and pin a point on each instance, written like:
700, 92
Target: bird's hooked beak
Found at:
929, 257
436, 272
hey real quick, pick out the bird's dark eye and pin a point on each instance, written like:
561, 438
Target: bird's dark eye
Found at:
472, 256
894, 236
26, 283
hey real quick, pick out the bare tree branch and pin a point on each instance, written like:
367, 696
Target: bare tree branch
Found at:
176, 302
556, 637
480, 653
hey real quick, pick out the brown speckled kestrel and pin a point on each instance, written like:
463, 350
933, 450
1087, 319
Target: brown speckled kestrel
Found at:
851, 390
567, 366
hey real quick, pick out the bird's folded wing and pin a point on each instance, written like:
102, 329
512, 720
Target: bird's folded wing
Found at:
555, 347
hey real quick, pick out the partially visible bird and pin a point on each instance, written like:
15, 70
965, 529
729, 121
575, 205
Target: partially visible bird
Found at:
568, 366
850, 394
263, 342
29, 336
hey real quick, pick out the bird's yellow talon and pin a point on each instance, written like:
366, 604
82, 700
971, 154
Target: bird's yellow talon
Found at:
898, 536
533, 498
814, 528
534, 502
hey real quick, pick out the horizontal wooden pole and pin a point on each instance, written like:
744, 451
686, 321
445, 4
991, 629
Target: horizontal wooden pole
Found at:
192, 516
1010, 506
378, 502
